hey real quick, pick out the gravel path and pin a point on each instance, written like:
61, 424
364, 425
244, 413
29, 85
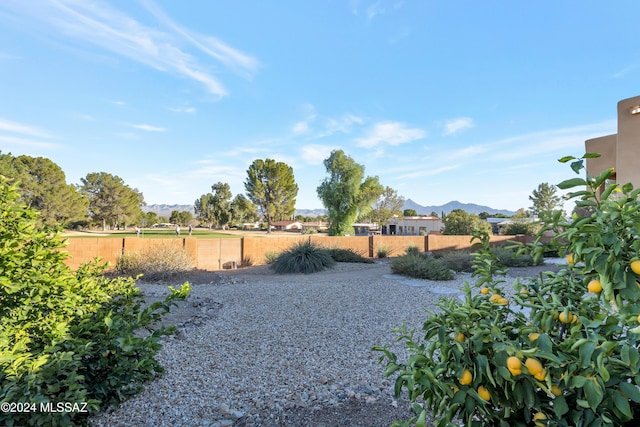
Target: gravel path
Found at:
291, 350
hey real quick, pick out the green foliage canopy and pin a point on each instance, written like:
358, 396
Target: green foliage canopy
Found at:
545, 199
111, 201
271, 186
389, 204
345, 194
43, 187
461, 223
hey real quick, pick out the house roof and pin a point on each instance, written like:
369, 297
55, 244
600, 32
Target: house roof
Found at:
284, 223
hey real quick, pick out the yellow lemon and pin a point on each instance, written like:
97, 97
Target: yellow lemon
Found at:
484, 291
514, 365
502, 301
594, 286
466, 377
565, 318
570, 259
638, 318
495, 297
539, 416
460, 337
635, 266
535, 368
484, 393
555, 390
533, 336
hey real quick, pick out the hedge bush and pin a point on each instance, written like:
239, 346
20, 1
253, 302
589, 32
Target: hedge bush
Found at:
421, 267
562, 351
66, 336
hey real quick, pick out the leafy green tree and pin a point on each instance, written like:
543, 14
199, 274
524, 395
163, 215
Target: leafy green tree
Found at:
271, 185
388, 205
43, 187
180, 217
221, 201
243, 210
345, 194
204, 209
545, 199
111, 201
461, 223
150, 218
409, 212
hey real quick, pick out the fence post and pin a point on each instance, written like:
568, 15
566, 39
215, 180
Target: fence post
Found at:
371, 246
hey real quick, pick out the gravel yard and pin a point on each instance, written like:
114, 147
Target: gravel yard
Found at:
259, 349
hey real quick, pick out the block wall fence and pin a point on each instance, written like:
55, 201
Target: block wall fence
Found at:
220, 254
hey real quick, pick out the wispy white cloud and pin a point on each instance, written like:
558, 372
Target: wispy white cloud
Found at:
99, 23
426, 171
392, 133
374, 9
22, 135
230, 57
454, 126
623, 72
118, 102
314, 154
300, 128
188, 110
342, 124
26, 142
148, 128
20, 128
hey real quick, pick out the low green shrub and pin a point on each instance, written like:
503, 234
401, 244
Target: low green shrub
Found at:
412, 250
461, 261
67, 336
422, 268
270, 257
511, 258
303, 257
382, 252
158, 262
348, 255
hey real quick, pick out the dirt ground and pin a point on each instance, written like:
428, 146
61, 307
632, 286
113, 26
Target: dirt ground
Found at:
353, 413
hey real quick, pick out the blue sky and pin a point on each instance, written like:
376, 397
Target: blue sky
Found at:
442, 100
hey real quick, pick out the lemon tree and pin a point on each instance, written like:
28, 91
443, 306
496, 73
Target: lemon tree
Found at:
558, 350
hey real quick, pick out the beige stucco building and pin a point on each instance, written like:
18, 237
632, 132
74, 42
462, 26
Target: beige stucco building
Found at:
620, 151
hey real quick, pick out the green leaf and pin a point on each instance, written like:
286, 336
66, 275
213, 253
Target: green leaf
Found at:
631, 390
586, 350
591, 155
577, 166
570, 183
560, 406
622, 404
565, 159
593, 393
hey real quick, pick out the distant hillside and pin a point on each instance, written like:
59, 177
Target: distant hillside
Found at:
165, 210
471, 208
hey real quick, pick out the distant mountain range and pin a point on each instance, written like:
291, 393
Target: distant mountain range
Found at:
472, 208
165, 210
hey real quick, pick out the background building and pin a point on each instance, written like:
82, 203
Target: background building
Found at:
620, 151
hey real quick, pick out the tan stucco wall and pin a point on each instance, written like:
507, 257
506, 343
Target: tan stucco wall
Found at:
628, 152
622, 150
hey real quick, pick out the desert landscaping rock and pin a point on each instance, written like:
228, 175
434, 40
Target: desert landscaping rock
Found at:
281, 350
